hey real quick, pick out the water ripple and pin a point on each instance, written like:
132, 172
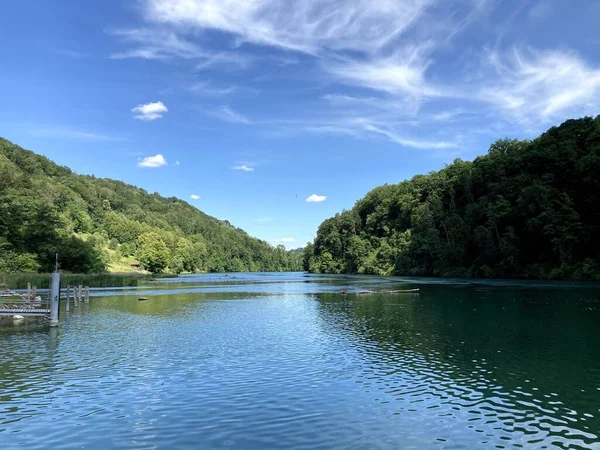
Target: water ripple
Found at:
459, 368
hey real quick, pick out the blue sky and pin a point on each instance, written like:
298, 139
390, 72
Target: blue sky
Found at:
256, 106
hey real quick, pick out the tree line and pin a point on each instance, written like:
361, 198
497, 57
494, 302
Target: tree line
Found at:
526, 209
96, 224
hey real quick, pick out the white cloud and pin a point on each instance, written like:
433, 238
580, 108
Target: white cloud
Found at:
315, 198
177, 163
194, 197
243, 168
153, 161
541, 86
227, 114
149, 111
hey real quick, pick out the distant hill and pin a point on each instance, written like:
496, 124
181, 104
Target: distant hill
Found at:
527, 209
96, 224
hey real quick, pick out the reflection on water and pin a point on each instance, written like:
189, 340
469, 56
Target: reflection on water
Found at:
283, 360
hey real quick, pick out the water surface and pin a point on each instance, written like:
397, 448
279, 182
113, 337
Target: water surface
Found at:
250, 361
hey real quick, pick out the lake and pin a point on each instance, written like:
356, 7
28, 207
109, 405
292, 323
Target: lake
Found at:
253, 361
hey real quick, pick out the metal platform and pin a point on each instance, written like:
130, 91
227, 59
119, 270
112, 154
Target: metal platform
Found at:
24, 305
24, 312
28, 304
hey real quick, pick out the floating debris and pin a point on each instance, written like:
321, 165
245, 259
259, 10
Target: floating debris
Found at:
401, 291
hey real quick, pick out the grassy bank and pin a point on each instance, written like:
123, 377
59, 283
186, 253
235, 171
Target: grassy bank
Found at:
42, 280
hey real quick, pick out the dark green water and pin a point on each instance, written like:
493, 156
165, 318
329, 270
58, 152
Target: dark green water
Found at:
284, 361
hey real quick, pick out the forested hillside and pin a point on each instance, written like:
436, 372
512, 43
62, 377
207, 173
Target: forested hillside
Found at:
96, 224
527, 209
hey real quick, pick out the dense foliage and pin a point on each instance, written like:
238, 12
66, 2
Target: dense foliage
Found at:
527, 209
19, 280
96, 223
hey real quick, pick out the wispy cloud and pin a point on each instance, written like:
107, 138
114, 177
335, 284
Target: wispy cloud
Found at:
151, 43
157, 43
195, 197
150, 111
303, 25
243, 168
226, 58
448, 115
401, 74
344, 99
283, 240
69, 133
315, 198
227, 114
352, 40
153, 161
541, 86
72, 53
390, 64
207, 88
542, 9
406, 142
382, 128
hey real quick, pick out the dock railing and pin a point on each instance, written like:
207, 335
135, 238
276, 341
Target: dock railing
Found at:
47, 304
12, 304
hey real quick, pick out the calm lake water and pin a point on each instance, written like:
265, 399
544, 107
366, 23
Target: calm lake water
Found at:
251, 361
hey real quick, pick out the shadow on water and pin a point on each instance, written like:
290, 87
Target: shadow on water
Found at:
520, 365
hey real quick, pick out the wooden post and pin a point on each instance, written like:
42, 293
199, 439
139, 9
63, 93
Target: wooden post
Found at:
68, 297
80, 293
29, 291
87, 294
34, 292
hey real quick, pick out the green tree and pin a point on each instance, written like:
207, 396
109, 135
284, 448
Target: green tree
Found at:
43, 206
525, 209
153, 253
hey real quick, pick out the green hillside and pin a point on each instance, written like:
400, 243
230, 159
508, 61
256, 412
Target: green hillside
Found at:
100, 224
527, 209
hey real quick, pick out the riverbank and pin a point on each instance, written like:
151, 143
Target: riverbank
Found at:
42, 280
